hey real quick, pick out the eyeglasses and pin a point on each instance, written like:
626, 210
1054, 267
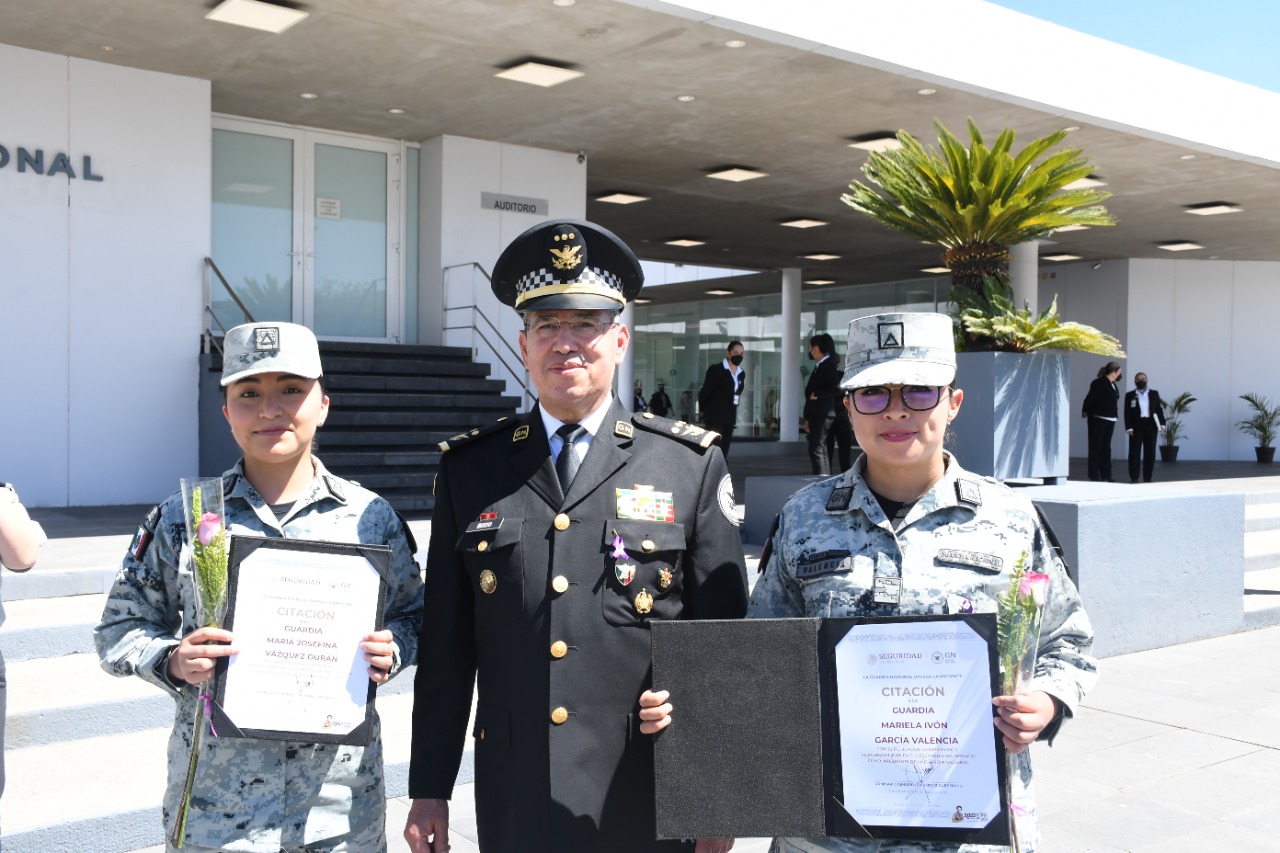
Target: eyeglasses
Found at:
876, 398
583, 329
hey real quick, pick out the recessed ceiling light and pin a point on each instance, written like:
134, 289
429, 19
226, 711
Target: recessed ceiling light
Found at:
879, 141
539, 74
1213, 208
737, 174
936, 270
720, 293
819, 281
1179, 246
1063, 228
563, 2
821, 256
1061, 256
686, 99
1072, 129
643, 301
926, 91
1187, 157
310, 96
622, 198
256, 15
1087, 182
735, 43
396, 111
685, 242
241, 187
803, 223
108, 48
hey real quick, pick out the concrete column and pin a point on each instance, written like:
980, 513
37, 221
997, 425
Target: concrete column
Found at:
1024, 274
790, 393
625, 389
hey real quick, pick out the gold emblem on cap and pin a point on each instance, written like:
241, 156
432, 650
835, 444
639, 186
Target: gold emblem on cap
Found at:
561, 522
644, 602
488, 582
559, 715
559, 649
566, 258
647, 545
560, 583
482, 545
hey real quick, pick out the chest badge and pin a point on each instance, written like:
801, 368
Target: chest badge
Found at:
488, 582
644, 602
626, 573
664, 578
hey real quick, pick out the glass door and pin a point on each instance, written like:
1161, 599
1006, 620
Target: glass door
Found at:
306, 227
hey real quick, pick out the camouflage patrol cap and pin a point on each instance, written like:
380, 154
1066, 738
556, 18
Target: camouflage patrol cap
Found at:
900, 349
270, 348
567, 264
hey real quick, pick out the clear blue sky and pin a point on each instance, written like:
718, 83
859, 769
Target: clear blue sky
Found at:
1234, 38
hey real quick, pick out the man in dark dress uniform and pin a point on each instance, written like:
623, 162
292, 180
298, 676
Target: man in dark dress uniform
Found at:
556, 538
820, 397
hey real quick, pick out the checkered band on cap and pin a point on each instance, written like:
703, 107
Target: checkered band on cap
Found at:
591, 280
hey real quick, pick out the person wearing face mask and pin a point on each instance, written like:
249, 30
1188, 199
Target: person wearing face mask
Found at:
721, 390
1101, 409
1143, 420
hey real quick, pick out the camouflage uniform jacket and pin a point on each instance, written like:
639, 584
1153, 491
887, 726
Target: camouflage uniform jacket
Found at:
829, 545
260, 795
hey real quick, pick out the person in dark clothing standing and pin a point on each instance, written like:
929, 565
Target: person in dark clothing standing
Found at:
721, 391
1101, 407
637, 400
1143, 420
820, 394
841, 436
660, 403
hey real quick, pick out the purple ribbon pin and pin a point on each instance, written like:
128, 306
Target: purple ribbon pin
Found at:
619, 548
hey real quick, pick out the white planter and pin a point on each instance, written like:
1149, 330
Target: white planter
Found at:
1014, 422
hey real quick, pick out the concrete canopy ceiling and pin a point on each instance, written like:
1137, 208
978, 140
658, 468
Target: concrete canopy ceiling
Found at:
779, 109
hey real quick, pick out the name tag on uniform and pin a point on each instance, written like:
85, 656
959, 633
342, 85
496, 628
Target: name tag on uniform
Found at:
886, 590
486, 521
824, 563
643, 503
986, 562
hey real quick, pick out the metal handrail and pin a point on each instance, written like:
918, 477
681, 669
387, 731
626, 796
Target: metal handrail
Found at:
476, 310
248, 318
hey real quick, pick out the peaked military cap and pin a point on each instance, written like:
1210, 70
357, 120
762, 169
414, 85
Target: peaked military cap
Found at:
567, 264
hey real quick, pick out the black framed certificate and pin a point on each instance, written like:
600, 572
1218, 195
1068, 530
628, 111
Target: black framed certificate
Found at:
842, 727
298, 610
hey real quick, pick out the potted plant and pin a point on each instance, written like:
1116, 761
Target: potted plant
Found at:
975, 202
1178, 407
1262, 425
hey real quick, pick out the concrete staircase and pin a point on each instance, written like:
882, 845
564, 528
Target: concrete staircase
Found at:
1262, 558
84, 751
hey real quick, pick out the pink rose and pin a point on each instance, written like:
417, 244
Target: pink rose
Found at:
210, 526
1034, 585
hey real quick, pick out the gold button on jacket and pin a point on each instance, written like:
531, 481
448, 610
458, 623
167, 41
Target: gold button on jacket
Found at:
559, 649
561, 522
559, 715
560, 583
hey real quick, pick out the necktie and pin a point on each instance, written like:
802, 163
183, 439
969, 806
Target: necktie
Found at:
567, 462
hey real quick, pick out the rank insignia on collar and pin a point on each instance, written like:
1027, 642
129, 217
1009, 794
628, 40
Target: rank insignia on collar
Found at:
623, 429
626, 573
644, 602
664, 578
839, 500
521, 433
969, 492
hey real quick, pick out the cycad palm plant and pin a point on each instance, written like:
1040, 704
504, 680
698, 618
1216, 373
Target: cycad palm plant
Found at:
977, 201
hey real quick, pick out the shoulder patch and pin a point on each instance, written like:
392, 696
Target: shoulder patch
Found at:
968, 491
839, 499
480, 432
688, 433
146, 532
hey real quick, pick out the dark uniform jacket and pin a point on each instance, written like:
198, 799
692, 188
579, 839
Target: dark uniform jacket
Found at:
715, 398
531, 603
1133, 412
1103, 399
824, 382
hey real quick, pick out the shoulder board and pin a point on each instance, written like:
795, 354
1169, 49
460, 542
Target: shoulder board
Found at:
408, 534
688, 433
479, 432
145, 533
